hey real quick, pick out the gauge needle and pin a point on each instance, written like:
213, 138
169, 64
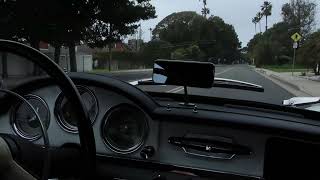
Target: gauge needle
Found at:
34, 117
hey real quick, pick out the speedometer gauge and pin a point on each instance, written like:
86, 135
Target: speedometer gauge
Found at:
65, 112
125, 128
24, 120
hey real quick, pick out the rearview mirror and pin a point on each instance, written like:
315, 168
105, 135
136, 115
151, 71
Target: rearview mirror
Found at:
183, 73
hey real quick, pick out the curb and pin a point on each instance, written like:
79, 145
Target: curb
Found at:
290, 87
286, 82
310, 79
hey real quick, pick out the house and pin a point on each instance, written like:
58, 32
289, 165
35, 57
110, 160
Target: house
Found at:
105, 63
135, 44
18, 66
83, 56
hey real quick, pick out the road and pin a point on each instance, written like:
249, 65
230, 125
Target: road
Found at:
273, 94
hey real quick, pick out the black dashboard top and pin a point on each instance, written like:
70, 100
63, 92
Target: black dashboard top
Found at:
164, 119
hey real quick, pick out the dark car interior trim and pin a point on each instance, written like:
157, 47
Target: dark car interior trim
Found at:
254, 130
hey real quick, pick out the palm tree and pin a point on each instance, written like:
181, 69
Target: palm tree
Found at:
259, 17
266, 10
205, 11
255, 21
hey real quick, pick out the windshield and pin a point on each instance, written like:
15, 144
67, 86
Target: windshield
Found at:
273, 44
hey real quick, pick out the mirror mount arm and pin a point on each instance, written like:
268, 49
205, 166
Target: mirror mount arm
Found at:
186, 98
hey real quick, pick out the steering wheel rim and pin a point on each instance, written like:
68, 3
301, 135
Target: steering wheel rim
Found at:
86, 135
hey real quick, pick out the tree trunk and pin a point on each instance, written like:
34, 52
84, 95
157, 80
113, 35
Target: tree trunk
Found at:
57, 52
35, 44
255, 28
72, 55
266, 23
260, 26
4, 59
110, 56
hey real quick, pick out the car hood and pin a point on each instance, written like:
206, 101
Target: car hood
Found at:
302, 101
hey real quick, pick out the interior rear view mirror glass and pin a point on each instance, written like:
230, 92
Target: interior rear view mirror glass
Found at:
183, 73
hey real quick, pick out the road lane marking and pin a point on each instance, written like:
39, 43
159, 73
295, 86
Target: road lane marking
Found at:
224, 71
173, 90
134, 83
177, 90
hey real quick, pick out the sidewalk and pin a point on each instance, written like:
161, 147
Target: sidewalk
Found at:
131, 70
99, 71
297, 85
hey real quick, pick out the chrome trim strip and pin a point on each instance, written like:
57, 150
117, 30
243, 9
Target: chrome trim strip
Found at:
14, 125
227, 157
62, 123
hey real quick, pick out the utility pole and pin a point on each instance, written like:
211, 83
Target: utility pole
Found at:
150, 29
139, 37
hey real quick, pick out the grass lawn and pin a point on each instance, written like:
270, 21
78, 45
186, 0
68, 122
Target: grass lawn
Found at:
99, 71
285, 68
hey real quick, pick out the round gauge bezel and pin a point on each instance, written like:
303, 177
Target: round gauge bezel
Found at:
60, 119
13, 120
143, 138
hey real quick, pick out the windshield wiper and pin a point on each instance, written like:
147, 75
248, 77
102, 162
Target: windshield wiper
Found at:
221, 83
234, 84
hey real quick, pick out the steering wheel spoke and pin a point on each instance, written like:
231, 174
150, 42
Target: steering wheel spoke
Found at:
79, 158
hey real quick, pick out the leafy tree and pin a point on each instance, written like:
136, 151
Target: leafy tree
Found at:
309, 53
116, 19
176, 28
226, 42
192, 52
72, 22
156, 49
300, 15
266, 10
275, 45
179, 54
54, 21
213, 36
271, 47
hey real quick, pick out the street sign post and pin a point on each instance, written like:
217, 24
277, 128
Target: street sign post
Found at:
295, 46
295, 37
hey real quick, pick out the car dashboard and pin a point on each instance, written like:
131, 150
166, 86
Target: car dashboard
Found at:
139, 137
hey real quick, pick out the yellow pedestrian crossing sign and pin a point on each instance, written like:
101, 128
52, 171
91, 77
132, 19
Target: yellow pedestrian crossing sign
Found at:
296, 37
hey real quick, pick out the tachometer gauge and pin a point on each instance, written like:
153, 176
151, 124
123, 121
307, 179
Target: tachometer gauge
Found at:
125, 128
65, 112
24, 120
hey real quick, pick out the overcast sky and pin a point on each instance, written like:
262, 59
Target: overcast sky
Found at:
239, 13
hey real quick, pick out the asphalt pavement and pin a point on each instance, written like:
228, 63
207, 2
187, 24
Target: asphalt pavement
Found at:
273, 93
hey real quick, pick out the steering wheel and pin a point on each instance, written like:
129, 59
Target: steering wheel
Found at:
87, 151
